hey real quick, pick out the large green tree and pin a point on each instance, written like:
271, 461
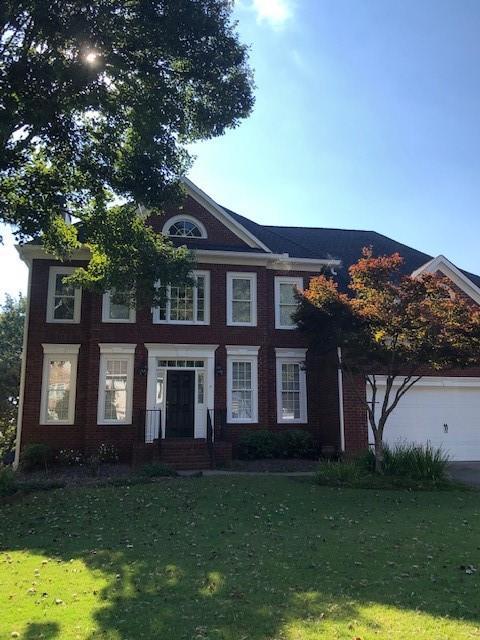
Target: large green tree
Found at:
98, 104
12, 317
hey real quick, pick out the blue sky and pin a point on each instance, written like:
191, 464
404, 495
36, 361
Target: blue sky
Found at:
367, 116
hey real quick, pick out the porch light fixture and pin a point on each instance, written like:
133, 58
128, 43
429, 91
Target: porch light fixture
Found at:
142, 369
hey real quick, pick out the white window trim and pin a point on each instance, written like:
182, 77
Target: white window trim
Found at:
61, 352
77, 305
123, 352
292, 356
252, 277
191, 219
298, 282
206, 321
106, 301
242, 354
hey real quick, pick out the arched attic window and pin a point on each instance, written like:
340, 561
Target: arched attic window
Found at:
184, 227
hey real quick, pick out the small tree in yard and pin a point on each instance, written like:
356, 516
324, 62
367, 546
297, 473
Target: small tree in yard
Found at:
12, 315
391, 325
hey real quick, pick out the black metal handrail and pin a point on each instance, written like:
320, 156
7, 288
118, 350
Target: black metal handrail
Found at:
210, 437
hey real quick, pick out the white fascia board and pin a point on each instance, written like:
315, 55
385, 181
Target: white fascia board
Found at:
287, 352
276, 262
442, 264
158, 349
433, 381
29, 252
236, 350
225, 218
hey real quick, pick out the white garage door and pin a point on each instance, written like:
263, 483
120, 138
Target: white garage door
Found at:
444, 412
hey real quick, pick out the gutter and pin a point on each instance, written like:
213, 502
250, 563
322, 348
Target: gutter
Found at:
341, 412
23, 367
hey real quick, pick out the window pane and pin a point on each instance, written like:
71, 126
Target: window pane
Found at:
64, 299
116, 390
241, 289
242, 405
286, 312
287, 293
59, 376
201, 299
181, 304
200, 388
119, 311
185, 229
242, 394
241, 311
64, 308
290, 391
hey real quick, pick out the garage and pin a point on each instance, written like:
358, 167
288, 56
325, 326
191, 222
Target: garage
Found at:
444, 412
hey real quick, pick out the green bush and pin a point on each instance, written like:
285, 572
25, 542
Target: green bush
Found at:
70, 457
255, 445
36, 456
7, 481
108, 453
156, 470
340, 473
296, 444
419, 462
259, 445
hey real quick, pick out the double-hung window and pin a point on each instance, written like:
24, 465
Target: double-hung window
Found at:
115, 387
291, 386
115, 308
242, 384
242, 299
59, 383
185, 304
285, 301
63, 301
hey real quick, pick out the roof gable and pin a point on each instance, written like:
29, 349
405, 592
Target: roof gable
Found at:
453, 273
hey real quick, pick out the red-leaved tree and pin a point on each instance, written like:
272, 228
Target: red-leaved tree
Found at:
392, 326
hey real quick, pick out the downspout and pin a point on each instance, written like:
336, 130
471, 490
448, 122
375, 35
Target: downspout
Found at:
23, 367
340, 400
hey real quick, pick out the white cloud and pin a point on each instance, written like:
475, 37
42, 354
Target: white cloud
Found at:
276, 12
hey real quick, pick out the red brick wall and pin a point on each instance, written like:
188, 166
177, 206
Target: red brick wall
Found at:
86, 435
217, 232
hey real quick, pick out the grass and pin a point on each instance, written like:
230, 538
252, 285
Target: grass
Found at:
222, 558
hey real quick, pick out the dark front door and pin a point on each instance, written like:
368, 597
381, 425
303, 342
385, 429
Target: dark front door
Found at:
180, 404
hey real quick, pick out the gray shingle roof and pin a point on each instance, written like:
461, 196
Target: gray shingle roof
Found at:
341, 244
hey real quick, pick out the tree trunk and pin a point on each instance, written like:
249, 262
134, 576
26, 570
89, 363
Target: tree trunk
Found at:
379, 454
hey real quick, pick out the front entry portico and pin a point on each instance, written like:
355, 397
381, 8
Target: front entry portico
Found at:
180, 390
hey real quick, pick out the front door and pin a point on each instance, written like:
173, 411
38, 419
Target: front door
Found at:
180, 404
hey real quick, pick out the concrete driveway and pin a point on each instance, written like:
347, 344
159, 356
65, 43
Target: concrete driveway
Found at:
468, 472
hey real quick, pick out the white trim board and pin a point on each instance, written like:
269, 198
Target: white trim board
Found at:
442, 264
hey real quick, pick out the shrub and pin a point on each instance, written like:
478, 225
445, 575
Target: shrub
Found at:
420, 462
36, 456
94, 462
69, 457
296, 444
340, 473
258, 445
7, 481
156, 470
8, 432
108, 453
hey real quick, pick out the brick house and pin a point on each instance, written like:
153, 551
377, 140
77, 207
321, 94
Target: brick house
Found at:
219, 358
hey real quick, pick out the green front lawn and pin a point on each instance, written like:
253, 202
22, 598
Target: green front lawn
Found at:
240, 558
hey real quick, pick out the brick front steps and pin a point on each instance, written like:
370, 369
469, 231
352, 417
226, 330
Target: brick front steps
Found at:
182, 453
